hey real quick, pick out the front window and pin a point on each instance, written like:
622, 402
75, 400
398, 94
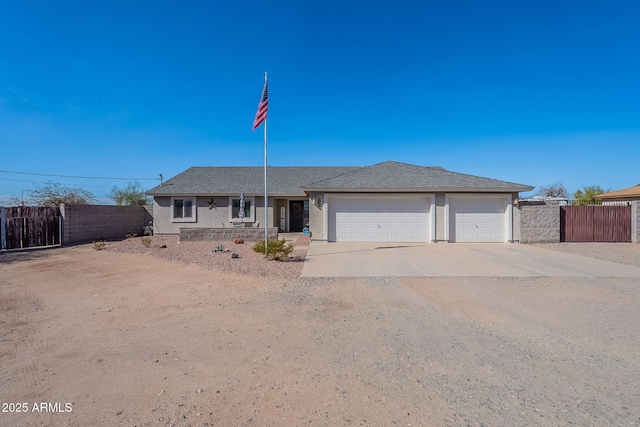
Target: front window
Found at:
184, 210
234, 209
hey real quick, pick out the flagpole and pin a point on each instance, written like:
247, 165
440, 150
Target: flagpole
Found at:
266, 199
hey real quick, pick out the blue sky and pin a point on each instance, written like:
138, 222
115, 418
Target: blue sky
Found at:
532, 92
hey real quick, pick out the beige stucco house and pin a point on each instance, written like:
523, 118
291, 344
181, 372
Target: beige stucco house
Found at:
385, 202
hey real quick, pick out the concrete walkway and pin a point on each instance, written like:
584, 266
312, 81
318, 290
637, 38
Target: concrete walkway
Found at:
453, 259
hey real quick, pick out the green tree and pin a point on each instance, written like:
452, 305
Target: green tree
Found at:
53, 194
586, 195
132, 194
554, 190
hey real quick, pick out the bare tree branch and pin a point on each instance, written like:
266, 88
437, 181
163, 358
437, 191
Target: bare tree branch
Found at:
54, 194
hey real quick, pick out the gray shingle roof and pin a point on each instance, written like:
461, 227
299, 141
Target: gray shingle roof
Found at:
282, 180
382, 177
395, 176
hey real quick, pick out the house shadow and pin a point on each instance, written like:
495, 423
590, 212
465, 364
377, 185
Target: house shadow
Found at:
28, 254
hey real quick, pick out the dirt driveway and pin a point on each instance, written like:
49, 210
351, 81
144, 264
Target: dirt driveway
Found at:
106, 338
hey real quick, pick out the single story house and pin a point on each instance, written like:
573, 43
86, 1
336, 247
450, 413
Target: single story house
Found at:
624, 195
385, 202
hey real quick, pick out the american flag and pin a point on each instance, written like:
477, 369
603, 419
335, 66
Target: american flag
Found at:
263, 106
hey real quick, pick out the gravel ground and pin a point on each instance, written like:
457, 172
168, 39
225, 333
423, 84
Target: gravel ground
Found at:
202, 254
624, 253
136, 340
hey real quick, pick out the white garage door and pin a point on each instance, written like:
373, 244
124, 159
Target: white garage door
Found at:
379, 220
477, 220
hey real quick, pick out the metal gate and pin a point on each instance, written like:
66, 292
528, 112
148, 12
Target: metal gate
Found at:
595, 223
30, 226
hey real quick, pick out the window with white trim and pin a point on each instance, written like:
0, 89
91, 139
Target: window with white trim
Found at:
183, 209
234, 209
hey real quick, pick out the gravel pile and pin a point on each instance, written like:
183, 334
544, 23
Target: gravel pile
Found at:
248, 261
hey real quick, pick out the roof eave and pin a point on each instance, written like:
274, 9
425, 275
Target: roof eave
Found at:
210, 194
419, 190
619, 196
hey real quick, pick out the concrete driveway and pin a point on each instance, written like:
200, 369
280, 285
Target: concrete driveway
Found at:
459, 259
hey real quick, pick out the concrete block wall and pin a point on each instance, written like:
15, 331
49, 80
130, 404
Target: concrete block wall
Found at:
246, 233
539, 222
86, 223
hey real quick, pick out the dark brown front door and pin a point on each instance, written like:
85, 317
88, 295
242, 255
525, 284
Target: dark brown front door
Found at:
298, 215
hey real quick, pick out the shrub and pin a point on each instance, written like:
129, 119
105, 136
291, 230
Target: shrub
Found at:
277, 249
146, 241
99, 245
131, 236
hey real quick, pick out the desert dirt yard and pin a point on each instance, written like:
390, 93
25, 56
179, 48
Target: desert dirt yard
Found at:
180, 336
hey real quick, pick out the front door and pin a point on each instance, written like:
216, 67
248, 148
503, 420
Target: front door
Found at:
298, 215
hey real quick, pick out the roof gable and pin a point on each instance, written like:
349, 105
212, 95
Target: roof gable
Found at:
396, 176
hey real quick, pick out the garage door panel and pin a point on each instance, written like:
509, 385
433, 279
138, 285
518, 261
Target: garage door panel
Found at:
477, 220
379, 219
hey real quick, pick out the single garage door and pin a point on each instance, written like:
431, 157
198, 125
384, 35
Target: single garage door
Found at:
477, 220
378, 220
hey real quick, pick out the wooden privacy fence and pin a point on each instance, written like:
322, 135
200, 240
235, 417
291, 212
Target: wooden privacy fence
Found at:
595, 223
28, 227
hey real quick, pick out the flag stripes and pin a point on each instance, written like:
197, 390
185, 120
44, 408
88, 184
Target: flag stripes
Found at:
263, 106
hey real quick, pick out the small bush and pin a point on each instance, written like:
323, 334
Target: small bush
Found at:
99, 245
131, 236
146, 241
277, 249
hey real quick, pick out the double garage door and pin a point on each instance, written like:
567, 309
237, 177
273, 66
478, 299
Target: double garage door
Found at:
379, 220
408, 220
